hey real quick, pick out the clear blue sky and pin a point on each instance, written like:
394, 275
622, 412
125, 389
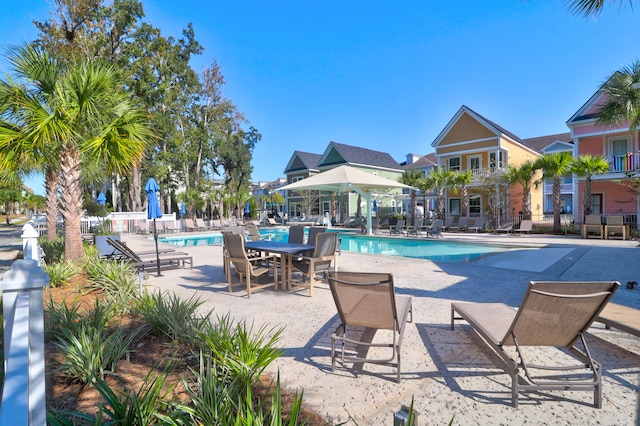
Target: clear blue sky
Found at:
386, 75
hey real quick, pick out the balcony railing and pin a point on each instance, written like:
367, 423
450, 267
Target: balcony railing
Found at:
623, 163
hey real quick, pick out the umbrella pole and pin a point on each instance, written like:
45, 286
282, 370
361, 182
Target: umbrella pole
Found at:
155, 237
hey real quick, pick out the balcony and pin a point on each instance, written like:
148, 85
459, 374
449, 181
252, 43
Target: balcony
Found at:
623, 163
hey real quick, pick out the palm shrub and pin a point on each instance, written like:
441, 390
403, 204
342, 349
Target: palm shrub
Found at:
169, 316
219, 399
60, 273
118, 280
238, 350
53, 249
60, 316
90, 348
147, 406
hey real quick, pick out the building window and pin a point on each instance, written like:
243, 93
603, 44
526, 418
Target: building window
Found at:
501, 160
475, 206
295, 209
296, 179
619, 147
474, 163
454, 206
454, 163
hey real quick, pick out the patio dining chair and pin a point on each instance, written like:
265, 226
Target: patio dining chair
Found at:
319, 262
366, 299
248, 268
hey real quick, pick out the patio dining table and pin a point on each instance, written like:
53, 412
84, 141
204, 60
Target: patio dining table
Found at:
286, 252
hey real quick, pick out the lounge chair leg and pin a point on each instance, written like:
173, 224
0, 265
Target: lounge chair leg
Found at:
514, 389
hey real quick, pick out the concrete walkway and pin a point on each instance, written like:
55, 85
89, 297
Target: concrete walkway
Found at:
448, 373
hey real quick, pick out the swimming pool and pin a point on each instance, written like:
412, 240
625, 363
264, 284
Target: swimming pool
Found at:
420, 248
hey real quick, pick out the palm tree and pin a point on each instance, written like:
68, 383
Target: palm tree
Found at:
622, 98
81, 110
591, 7
462, 179
439, 179
523, 176
586, 166
413, 178
28, 129
554, 166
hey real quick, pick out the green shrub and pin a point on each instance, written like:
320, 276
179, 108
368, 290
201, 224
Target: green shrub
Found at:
118, 280
239, 351
168, 315
60, 273
93, 352
60, 316
149, 405
53, 250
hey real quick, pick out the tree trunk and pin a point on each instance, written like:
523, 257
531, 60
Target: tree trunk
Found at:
137, 198
556, 205
526, 204
588, 197
71, 204
51, 188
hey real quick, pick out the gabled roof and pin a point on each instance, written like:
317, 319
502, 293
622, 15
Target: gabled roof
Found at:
589, 110
542, 142
495, 128
338, 154
423, 162
301, 161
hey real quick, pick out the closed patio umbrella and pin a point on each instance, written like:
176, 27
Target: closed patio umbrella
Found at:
102, 200
153, 212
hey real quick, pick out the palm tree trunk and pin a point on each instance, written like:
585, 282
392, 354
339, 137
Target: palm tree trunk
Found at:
71, 203
526, 204
556, 205
588, 197
51, 188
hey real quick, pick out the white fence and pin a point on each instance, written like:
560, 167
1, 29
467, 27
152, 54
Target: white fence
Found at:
23, 394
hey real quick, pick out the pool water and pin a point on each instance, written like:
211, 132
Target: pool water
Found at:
420, 248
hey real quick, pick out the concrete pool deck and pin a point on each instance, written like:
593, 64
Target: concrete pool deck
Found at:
449, 374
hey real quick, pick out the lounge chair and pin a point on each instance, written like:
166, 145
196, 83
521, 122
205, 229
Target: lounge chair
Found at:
143, 227
621, 317
170, 226
615, 225
461, 225
190, 225
398, 228
216, 224
415, 228
368, 300
592, 224
477, 225
248, 267
200, 224
319, 262
148, 259
272, 222
552, 314
526, 226
448, 223
506, 227
435, 229
254, 234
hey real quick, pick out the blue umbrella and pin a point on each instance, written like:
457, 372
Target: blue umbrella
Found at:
247, 209
102, 200
183, 210
375, 206
153, 212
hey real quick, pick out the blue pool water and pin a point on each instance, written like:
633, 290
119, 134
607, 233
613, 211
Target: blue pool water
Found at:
421, 248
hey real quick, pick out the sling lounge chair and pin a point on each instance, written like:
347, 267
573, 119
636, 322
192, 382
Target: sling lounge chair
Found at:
415, 228
506, 227
448, 223
435, 229
368, 300
398, 228
477, 225
461, 225
526, 226
148, 259
552, 314
246, 267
